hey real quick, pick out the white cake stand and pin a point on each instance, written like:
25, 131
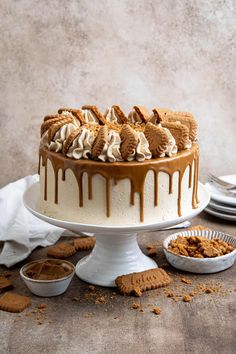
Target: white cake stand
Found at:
117, 251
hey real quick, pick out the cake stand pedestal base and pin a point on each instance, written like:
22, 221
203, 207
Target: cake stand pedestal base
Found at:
114, 254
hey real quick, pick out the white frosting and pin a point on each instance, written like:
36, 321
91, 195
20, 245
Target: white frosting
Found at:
188, 144
111, 150
141, 152
134, 117
89, 117
61, 135
82, 145
171, 146
112, 116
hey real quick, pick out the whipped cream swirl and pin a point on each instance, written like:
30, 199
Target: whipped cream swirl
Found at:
82, 145
134, 117
60, 136
142, 151
111, 149
171, 146
89, 116
112, 116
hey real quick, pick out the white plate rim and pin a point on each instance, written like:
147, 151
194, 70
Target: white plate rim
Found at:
223, 216
213, 204
220, 197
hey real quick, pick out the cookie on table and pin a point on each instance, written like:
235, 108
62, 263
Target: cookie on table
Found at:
5, 284
13, 302
84, 243
136, 283
61, 250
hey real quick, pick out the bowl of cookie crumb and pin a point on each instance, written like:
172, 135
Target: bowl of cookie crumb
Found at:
200, 251
47, 277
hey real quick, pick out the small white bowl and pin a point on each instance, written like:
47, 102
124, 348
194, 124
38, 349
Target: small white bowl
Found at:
201, 265
48, 288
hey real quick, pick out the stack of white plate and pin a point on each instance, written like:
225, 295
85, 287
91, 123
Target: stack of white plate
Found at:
222, 203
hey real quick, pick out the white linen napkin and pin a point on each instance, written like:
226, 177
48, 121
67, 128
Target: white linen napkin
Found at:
20, 231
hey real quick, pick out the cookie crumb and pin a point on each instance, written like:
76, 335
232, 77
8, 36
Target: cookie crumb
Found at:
187, 298
186, 280
135, 306
100, 300
42, 306
156, 310
170, 293
209, 291
137, 292
91, 287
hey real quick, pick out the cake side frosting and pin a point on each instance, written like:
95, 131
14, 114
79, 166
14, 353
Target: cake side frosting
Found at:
134, 171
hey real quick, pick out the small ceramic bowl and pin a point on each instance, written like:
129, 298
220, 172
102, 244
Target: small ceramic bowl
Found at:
201, 265
48, 288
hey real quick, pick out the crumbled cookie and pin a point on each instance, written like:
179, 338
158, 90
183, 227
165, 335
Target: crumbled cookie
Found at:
156, 310
187, 298
186, 280
135, 306
199, 247
199, 228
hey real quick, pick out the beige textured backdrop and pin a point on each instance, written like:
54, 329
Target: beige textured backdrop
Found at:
178, 54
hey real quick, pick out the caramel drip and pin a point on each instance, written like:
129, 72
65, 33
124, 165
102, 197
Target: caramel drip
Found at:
135, 171
56, 187
180, 193
171, 184
190, 175
45, 179
108, 196
155, 189
195, 184
132, 193
80, 182
39, 163
90, 188
197, 171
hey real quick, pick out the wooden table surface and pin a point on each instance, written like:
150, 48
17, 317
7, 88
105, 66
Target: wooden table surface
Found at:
75, 323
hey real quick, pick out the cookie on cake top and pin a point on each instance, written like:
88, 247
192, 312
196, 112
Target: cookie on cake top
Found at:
86, 133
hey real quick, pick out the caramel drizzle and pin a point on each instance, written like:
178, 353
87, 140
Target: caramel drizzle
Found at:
134, 171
